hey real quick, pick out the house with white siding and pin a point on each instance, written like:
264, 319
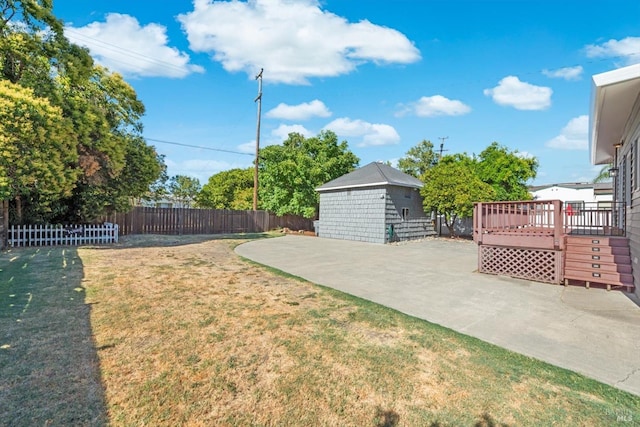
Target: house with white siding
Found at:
375, 203
577, 195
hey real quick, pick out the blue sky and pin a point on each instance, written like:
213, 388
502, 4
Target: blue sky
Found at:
383, 75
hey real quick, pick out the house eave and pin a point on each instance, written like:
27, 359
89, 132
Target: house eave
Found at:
613, 95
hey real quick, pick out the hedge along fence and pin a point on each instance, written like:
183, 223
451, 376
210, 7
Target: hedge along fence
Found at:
143, 220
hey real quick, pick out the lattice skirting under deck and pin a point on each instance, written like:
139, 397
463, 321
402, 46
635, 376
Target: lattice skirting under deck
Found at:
540, 265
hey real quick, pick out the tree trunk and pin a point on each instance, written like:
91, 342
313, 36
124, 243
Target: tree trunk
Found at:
18, 210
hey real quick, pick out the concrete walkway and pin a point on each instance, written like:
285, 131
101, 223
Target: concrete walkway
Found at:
590, 331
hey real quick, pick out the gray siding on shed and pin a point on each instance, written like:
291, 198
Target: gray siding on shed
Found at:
355, 214
403, 197
417, 225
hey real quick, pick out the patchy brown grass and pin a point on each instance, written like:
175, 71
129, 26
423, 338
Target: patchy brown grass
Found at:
187, 333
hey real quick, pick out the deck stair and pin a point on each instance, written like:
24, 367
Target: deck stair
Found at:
598, 259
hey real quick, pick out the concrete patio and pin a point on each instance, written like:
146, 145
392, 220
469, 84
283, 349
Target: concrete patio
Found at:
590, 331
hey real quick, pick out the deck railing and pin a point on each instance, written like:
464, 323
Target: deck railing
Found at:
536, 224
542, 223
595, 219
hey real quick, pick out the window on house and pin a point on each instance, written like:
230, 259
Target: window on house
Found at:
405, 214
626, 191
407, 193
632, 166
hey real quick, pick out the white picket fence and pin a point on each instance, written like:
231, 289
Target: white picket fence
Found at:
58, 235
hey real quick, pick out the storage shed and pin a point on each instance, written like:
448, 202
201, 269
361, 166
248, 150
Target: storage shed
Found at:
375, 203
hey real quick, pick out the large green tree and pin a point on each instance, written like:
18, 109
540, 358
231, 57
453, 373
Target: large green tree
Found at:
101, 111
418, 159
290, 173
506, 171
183, 189
452, 187
230, 189
37, 155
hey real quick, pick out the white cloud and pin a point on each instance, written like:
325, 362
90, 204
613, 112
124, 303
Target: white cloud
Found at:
282, 132
437, 105
524, 155
201, 169
277, 136
567, 73
372, 134
292, 40
302, 111
247, 147
574, 136
627, 48
520, 95
122, 45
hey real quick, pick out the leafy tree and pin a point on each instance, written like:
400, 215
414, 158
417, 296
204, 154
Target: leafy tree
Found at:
38, 157
506, 171
418, 159
604, 175
230, 189
451, 187
183, 189
290, 173
101, 111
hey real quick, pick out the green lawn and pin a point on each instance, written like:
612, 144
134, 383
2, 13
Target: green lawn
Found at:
181, 331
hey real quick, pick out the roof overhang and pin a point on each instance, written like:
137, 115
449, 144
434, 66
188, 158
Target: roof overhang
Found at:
371, 184
613, 96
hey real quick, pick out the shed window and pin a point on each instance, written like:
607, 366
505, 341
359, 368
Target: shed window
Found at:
405, 214
407, 193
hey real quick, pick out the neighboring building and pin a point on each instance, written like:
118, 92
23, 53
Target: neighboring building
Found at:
576, 195
614, 134
375, 203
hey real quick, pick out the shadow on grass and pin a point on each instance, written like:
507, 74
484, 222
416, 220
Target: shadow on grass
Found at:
486, 420
49, 367
168, 240
387, 418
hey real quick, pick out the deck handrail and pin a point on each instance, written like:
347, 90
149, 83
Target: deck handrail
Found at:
546, 218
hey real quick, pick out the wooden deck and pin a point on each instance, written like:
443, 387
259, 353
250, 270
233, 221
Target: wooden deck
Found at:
538, 240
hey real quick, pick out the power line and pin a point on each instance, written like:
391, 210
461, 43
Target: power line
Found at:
122, 51
197, 146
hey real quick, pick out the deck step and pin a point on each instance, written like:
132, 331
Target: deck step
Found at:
597, 240
598, 249
598, 276
598, 266
597, 257
598, 260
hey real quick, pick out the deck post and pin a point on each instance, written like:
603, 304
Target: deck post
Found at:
558, 225
477, 218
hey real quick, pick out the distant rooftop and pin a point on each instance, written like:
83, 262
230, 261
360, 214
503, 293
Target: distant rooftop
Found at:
371, 175
598, 186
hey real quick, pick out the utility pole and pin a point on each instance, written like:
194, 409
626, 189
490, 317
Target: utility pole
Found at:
255, 169
442, 139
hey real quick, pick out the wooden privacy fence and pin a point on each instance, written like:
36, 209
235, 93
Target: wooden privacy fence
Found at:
57, 235
143, 220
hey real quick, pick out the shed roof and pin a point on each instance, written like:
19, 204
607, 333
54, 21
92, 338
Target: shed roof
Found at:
371, 175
